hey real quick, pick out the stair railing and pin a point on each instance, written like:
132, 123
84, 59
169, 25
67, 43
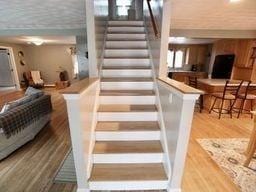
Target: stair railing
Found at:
154, 24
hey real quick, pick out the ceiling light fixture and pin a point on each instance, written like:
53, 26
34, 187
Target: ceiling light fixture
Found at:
177, 39
38, 42
234, 1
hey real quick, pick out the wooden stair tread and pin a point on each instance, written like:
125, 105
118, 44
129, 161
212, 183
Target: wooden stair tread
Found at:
128, 172
127, 108
127, 39
127, 92
126, 67
126, 48
127, 126
126, 32
114, 147
118, 25
126, 79
143, 57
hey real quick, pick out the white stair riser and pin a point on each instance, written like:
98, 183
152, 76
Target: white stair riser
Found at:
126, 53
127, 116
127, 73
125, 23
126, 44
126, 29
126, 62
130, 100
128, 158
128, 185
127, 85
126, 36
127, 135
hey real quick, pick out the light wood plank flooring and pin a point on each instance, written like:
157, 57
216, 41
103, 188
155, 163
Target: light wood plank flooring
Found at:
32, 167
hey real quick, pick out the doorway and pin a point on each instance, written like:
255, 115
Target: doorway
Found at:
8, 73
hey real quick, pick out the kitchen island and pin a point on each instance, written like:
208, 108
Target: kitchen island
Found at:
182, 75
210, 86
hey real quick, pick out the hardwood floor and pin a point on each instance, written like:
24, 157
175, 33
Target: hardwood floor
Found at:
33, 166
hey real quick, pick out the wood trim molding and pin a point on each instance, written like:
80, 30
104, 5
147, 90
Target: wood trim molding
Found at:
80, 86
183, 88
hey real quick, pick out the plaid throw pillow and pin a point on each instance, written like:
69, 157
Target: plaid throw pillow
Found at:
33, 92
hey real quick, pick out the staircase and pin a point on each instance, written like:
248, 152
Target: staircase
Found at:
128, 154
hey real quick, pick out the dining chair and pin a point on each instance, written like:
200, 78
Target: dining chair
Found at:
192, 81
229, 94
246, 96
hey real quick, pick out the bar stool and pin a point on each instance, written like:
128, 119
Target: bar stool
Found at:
230, 93
251, 149
246, 96
192, 81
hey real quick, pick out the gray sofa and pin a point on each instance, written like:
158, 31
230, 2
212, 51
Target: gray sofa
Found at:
22, 123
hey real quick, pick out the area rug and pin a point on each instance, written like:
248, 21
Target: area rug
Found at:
67, 172
228, 154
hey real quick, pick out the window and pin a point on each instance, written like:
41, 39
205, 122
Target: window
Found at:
176, 58
122, 7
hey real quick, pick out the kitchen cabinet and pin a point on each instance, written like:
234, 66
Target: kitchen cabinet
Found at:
244, 53
226, 46
182, 76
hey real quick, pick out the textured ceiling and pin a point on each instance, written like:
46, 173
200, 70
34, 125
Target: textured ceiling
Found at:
42, 14
213, 14
185, 14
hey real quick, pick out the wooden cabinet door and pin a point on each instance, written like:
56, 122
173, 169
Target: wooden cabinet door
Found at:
243, 53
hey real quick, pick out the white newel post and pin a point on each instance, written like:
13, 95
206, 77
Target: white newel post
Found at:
177, 110
82, 118
186, 116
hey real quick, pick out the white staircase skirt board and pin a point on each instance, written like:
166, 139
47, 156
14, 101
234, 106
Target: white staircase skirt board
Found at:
126, 53
127, 85
126, 62
126, 29
127, 73
126, 44
126, 23
127, 135
128, 158
124, 36
127, 116
128, 185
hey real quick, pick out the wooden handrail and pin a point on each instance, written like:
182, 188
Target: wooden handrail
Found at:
155, 28
79, 86
183, 88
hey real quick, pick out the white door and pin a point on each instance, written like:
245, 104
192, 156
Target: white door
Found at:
6, 71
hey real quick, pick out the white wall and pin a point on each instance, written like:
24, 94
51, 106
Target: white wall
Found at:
158, 46
83, 63
16, 48
96, 21
50, 60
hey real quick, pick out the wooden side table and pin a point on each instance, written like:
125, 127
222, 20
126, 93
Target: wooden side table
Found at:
251, 149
